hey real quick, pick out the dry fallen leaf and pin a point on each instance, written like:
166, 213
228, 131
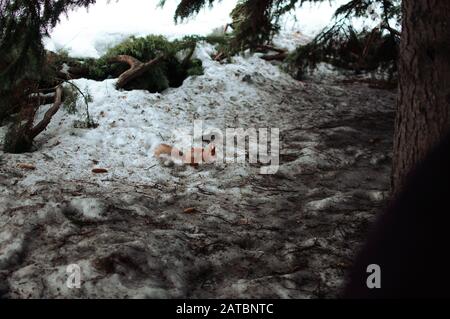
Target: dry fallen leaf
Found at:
189, 210
30, 167
99, 171
244, 221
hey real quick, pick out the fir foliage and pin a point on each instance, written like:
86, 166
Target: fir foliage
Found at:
256, 21
343, 46
175, 67
23, 25
23, 61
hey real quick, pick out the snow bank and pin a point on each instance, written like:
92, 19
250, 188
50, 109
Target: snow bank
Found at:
133, 123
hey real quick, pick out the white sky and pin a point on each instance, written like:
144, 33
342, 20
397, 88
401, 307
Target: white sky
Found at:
89, 32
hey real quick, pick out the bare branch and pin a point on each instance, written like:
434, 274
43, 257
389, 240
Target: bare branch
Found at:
42, 125
137, 68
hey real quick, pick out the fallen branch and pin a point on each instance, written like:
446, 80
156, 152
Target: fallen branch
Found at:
42, 99
89, 121
137, 68
219, 56
42, 125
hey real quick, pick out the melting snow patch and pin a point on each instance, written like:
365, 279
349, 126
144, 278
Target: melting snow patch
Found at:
89, 208
11, 247
326, 203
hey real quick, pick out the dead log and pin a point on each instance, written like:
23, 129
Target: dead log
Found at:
78, 72
275, 57
73, 73
137, 68
270, 48
281, 54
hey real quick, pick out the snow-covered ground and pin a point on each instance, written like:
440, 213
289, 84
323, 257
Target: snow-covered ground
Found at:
145, 229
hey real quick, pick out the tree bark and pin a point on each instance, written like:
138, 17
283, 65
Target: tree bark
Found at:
423, 114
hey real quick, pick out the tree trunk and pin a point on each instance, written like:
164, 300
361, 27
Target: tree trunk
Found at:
423, 115
19, 137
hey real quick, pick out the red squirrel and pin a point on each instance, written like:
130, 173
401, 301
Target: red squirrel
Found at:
194, 156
